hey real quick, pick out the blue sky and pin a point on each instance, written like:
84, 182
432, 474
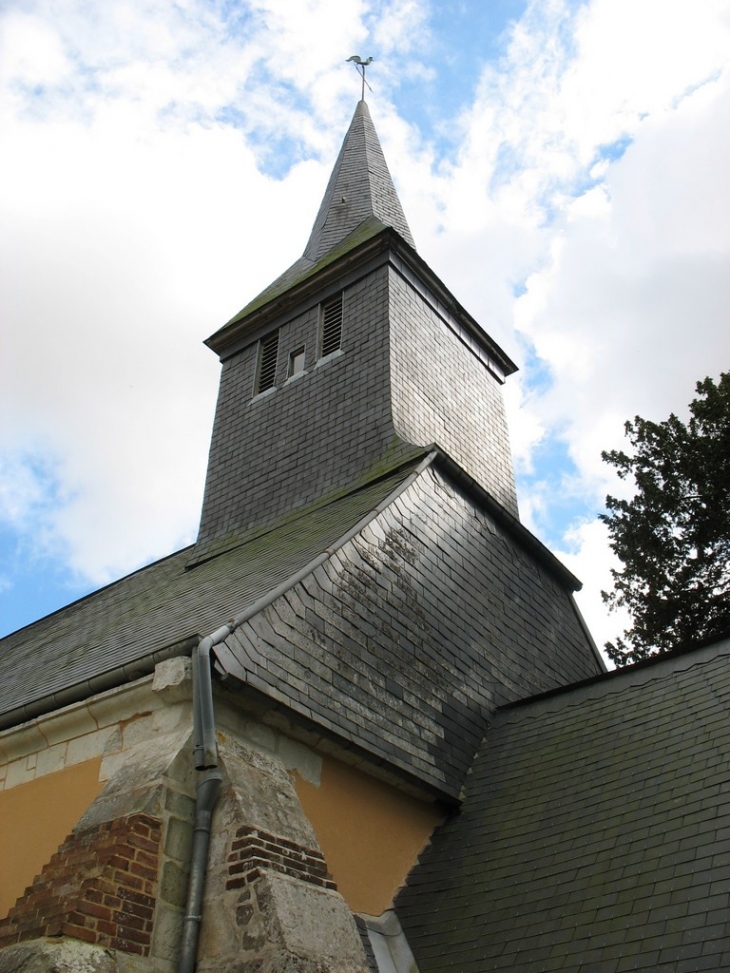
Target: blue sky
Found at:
562, 166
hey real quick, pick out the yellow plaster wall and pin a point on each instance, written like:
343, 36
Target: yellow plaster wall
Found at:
370, 833
35, 818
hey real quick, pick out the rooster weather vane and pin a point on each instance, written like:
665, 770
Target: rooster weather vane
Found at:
361, 65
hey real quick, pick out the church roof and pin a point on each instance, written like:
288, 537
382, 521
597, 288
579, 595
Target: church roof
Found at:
595, 827
122, 630
343, 616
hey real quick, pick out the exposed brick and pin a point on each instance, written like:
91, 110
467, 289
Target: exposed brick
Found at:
79, 932
84, 891
88, 908
258, 850
128, 946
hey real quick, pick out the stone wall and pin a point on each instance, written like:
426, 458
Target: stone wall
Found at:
271, 905
112, 896
52, 768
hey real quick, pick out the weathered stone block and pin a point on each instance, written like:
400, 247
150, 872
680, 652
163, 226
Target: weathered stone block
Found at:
174, 884
309, 922
172, 680
178, 841
67, 956
282, 924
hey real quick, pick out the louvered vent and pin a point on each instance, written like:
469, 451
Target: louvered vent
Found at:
268, 352
331, 325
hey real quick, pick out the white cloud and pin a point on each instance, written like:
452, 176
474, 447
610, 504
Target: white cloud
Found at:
631, 307
588, 555
630, 312
125, 256
624, 255
31, 52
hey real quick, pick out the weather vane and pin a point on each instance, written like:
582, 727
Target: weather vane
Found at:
359, 63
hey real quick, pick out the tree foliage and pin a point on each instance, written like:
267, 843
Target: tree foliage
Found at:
673, 536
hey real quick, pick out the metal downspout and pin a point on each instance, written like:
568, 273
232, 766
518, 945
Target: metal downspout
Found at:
205, 754
205, 800
205, 747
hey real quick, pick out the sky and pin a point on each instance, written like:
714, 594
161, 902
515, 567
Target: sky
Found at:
563, 166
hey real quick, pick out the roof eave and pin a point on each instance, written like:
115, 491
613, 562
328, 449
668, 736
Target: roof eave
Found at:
329, 270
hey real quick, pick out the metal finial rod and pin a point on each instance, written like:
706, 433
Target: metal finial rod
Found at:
359, 63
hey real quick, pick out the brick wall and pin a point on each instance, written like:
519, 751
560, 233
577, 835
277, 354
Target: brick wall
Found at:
254, 850
99, 887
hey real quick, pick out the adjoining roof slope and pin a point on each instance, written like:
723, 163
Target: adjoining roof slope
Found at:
131, 623
596, 826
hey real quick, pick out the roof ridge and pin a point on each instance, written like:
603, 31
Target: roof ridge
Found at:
661, 665
233, 540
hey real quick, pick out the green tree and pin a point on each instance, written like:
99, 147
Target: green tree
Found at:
673, 536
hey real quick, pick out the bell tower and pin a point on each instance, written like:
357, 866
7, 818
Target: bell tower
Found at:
352, 361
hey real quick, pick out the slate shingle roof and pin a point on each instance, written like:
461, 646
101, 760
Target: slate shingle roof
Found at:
64, 656
360, 186
595, 834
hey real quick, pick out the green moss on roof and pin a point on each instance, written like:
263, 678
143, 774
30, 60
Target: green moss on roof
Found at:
395, 463
303, 269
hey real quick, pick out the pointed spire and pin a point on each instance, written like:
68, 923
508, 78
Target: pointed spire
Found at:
360, 187
360, 193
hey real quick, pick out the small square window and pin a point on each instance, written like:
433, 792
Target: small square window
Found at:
296, 362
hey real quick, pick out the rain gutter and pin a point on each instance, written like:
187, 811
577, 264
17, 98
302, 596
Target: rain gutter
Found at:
82, 690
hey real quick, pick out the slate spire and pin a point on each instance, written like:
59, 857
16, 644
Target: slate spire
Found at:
360, 194
360, 187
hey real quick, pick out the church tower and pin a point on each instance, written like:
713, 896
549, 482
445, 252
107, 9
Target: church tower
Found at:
350, 362
361, 604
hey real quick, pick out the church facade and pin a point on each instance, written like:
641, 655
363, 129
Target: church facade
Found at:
359, 724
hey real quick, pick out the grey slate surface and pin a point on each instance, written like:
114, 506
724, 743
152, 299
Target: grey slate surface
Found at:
442, 393
407, 640
595, 833
360, 186
164, 603
325, 430
402, 642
